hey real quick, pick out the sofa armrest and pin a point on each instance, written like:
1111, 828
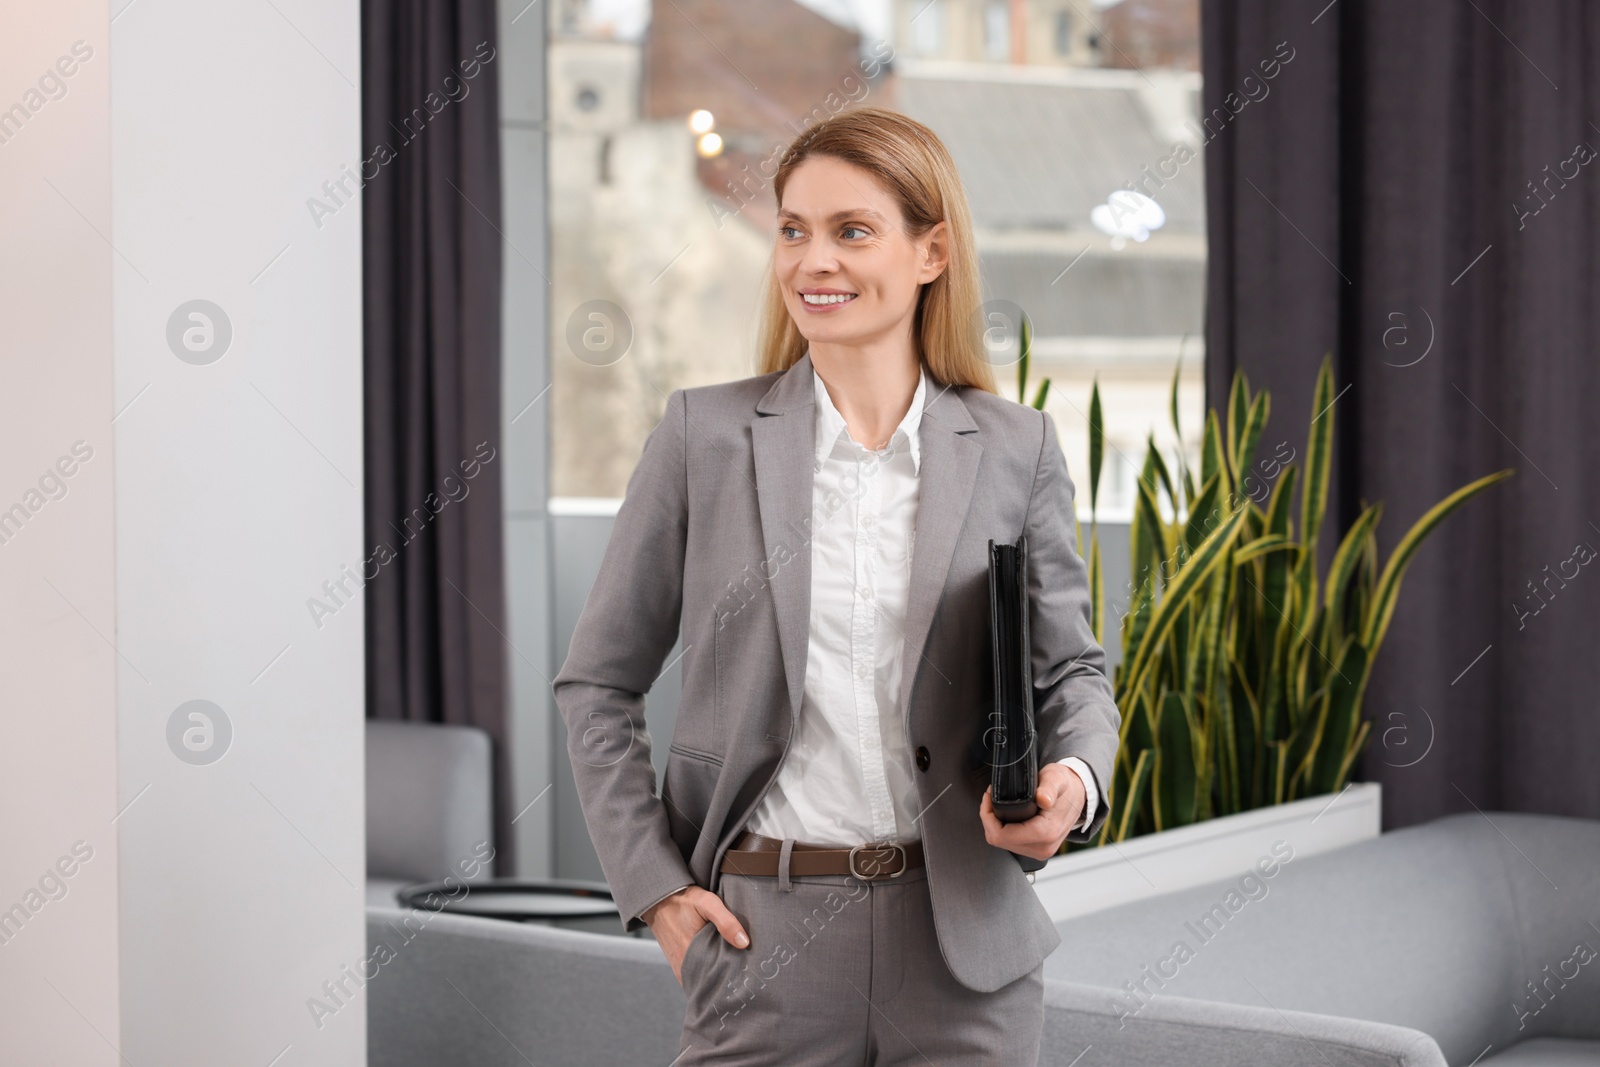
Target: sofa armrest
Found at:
1200, 1033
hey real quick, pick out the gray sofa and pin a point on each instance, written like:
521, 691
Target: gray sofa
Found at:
1412, 948
1379, 953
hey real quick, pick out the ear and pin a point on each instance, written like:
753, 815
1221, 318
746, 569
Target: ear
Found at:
933, 252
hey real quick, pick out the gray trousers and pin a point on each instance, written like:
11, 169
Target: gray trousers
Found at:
844, 971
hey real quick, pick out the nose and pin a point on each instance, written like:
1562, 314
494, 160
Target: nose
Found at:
818, 258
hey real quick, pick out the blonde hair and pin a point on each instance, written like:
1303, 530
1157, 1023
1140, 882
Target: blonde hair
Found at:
912, 163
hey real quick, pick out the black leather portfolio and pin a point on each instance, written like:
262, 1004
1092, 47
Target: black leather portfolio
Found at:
1009, 736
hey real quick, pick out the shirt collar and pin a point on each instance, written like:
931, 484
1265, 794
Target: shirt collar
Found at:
831, 424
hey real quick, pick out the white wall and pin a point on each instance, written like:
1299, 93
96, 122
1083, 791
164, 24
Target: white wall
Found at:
222, 497
58, 673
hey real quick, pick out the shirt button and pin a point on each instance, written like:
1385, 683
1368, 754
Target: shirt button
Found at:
868, 520
862, 671
922, 758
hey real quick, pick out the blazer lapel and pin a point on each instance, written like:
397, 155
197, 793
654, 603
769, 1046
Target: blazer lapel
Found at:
783, 436
945, 480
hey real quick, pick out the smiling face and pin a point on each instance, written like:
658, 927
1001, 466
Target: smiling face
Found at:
850, 274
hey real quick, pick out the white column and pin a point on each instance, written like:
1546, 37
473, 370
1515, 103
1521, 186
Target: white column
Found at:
166, 697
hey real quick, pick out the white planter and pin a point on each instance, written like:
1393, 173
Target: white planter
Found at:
1087, 881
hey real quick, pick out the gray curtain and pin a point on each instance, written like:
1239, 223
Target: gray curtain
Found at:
436, 650
1417, 192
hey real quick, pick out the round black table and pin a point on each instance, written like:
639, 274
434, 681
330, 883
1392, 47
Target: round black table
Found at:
555, 902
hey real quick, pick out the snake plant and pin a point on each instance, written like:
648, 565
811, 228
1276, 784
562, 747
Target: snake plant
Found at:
1242, 668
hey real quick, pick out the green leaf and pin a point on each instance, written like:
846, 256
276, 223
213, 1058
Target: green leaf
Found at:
1261, 546
1038, 398
1097, 443
1097, 589
1336, 730
1278, 767
1172, 394
1175, 765
1197, 525
1024, 357
1376, 624
1228, 788
1213, 458
1125, 809
1249, 747
1350, 756
1346, 563
1205, 643
1303, 590
1275, 576
1154, 530
1319, 455
1238, 412
1244, 462
1190, 578
1139, 728
1185, 476
1160, 467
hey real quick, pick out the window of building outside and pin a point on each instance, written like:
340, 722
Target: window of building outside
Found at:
997, 30
1079, 141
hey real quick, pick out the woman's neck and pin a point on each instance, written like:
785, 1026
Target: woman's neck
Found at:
872, 390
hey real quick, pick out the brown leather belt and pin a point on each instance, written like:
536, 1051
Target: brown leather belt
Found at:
758, 855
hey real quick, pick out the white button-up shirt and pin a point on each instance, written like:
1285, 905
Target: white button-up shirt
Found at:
850, 777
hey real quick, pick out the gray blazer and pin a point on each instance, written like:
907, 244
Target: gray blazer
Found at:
713, 535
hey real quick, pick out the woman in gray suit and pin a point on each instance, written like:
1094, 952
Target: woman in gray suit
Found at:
823, 867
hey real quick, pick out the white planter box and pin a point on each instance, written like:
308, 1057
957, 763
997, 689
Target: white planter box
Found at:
1087, 881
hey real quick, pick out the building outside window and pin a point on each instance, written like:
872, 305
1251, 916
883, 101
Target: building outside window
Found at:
997, 30
927, 29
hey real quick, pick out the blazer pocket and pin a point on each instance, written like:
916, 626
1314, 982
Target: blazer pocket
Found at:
689, 784
695, 754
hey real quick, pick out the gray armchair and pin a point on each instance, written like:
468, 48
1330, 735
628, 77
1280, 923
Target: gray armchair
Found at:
430, 804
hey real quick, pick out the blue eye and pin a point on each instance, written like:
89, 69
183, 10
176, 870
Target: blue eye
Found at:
847, 229
785, 230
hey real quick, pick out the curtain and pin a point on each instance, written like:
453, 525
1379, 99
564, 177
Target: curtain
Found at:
1416, 192
430, 171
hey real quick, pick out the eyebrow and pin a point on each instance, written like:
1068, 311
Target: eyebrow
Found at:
837, 216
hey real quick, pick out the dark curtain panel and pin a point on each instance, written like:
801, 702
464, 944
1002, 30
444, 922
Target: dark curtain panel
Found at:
436, 650
1417, 192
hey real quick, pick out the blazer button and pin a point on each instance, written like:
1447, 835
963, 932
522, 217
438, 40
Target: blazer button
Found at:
922, 758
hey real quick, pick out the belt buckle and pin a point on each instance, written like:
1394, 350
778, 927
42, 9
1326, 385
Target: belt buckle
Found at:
900, 849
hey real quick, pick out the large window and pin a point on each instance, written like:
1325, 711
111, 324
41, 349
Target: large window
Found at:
1077, 136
